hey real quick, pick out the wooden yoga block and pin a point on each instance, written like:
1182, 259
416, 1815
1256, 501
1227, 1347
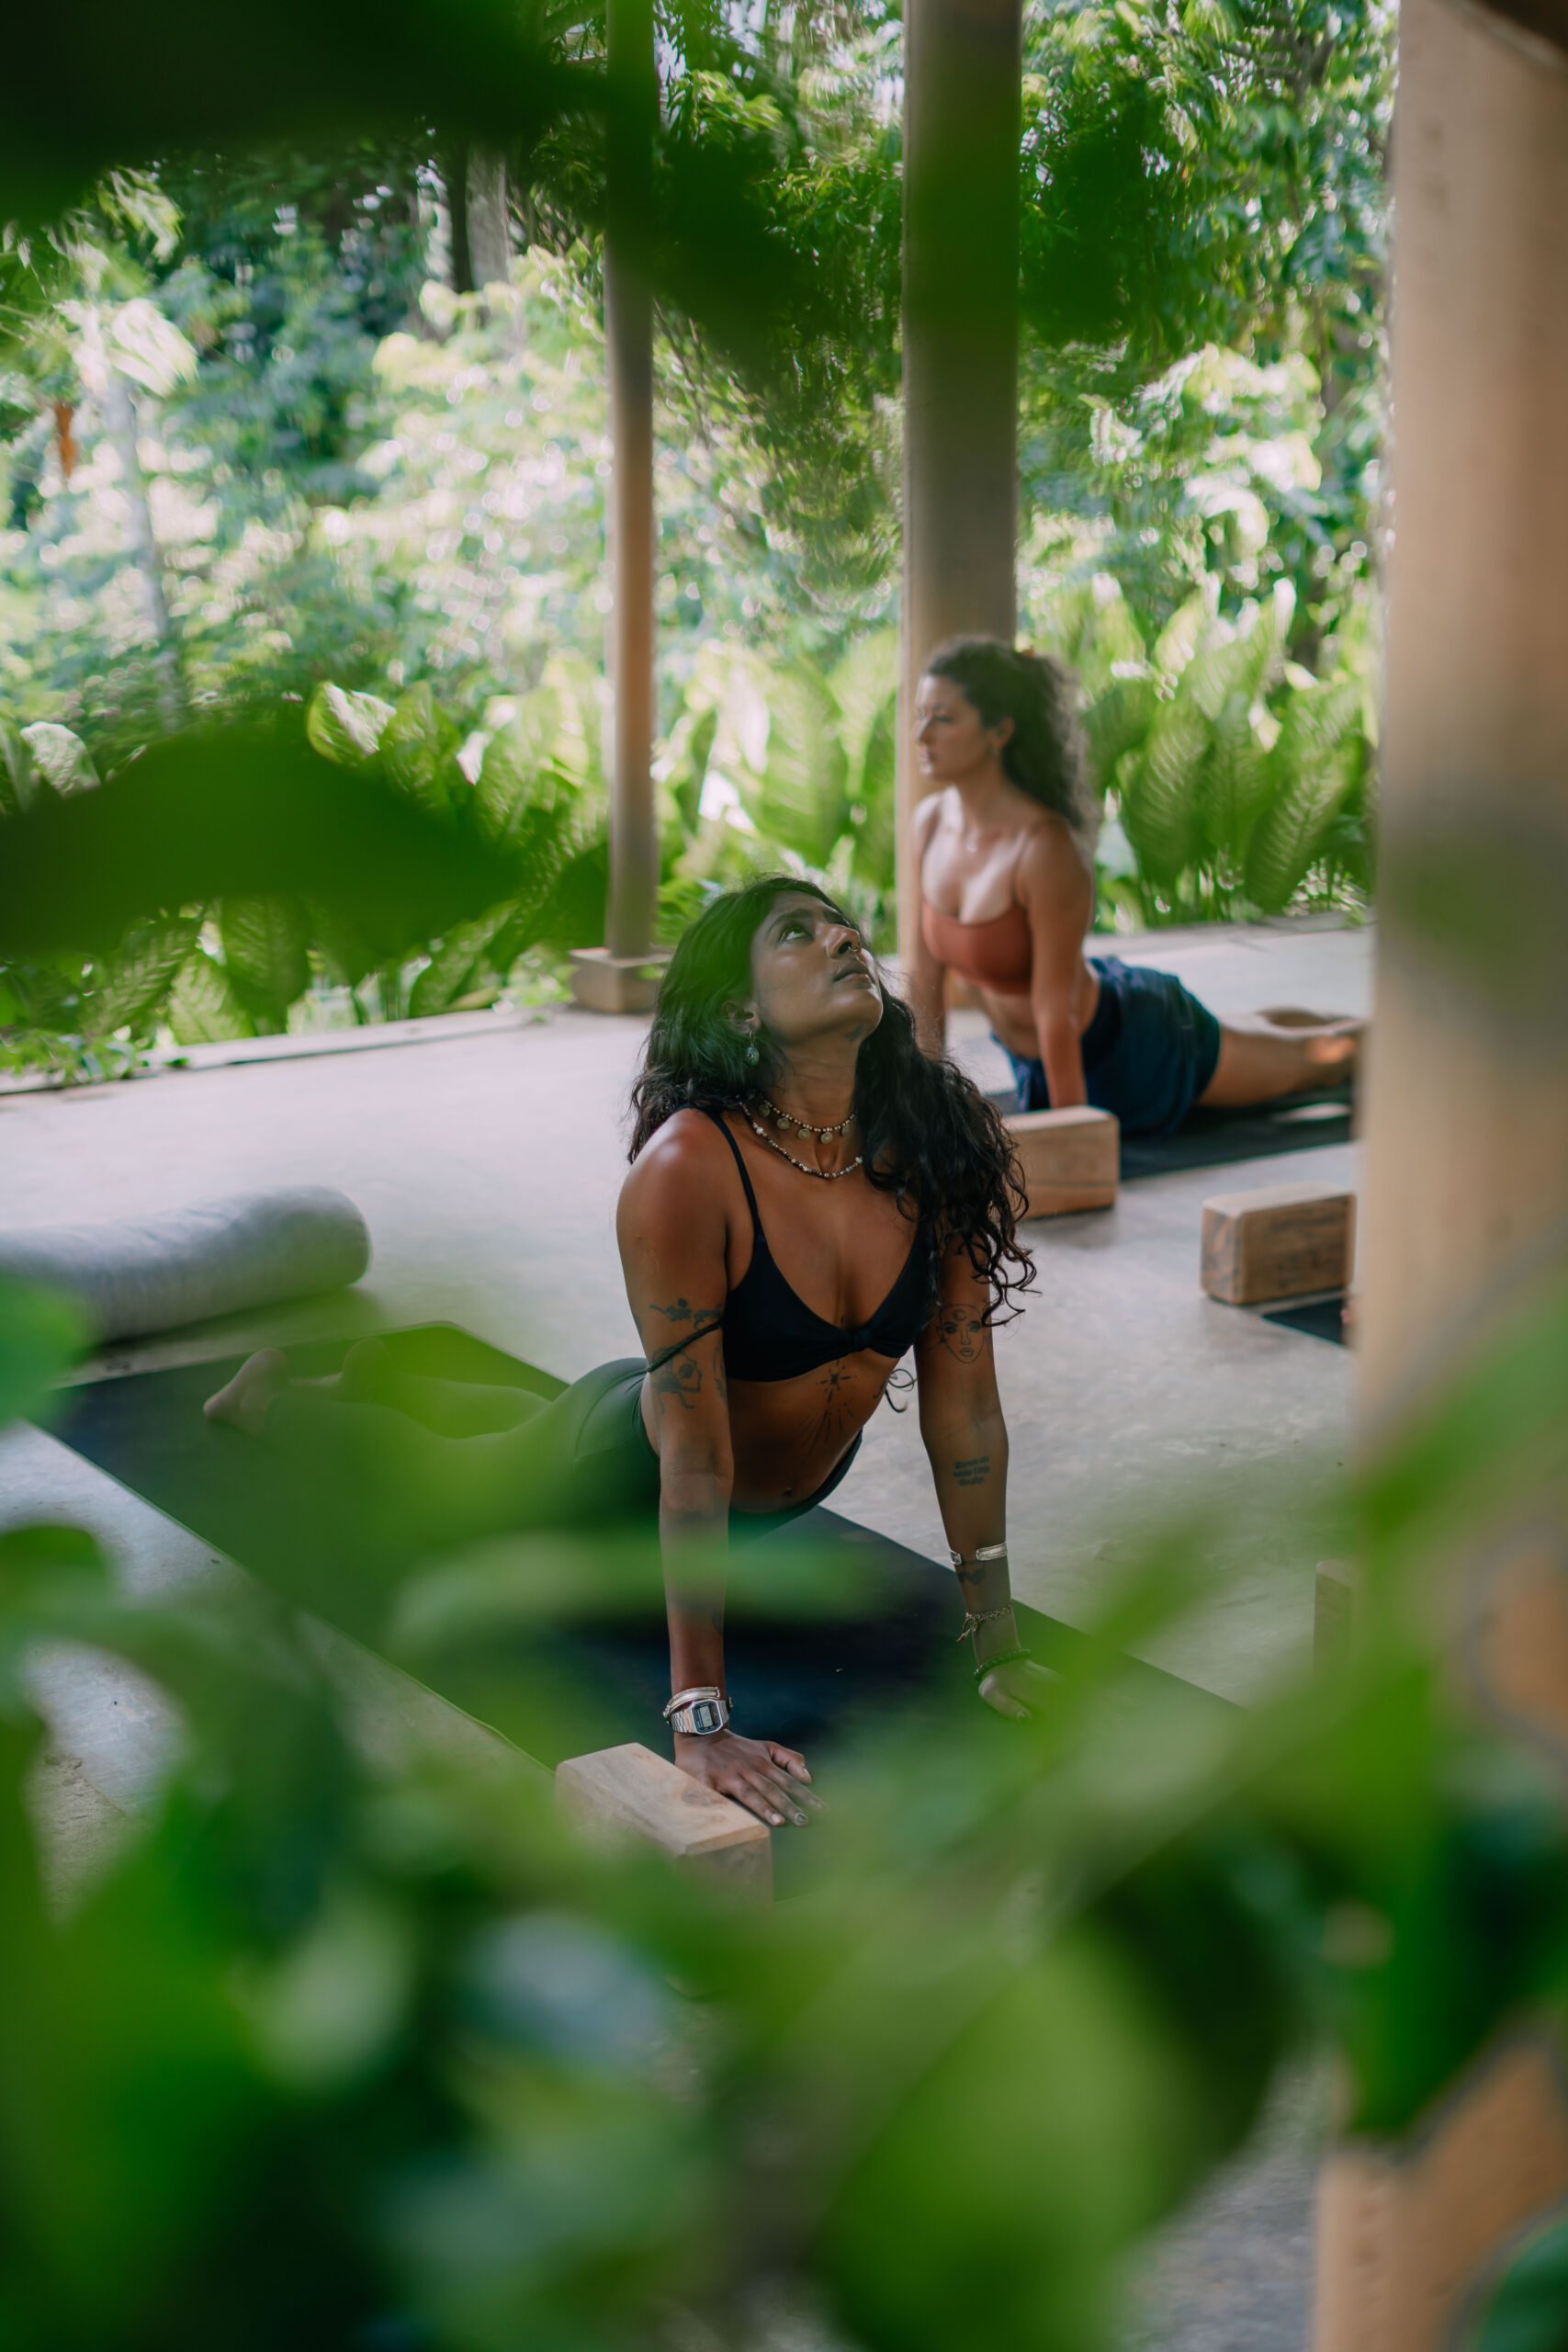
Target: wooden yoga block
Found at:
1069, 1159
618, 1793
1278, 1242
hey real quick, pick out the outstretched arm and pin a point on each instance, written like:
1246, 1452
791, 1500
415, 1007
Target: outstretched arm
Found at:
1051, 892
672, 1231
967, 1443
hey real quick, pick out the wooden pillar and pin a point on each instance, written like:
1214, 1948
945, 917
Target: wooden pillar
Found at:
1465, 1198
617, 977
962, 128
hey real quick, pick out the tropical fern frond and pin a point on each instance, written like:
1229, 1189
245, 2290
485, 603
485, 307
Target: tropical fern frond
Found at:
1159, 793
1236, 787
1117, 721
1314, 765
801, 800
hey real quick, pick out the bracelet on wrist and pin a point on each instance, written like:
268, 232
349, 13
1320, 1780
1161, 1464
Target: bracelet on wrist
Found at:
974, 1618
983, 1555
1008, 1657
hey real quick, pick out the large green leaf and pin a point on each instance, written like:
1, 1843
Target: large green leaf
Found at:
801, 801
689, 773
344, 726
1117, 721
1235, 787
61, 757
516, 769
873, 812
18, 775
39, 1333
860, 685
1160, 805
266, 953
1178, 641
1314, 765
1111, 640
203, 1008
419, 752
458, 967
131, 985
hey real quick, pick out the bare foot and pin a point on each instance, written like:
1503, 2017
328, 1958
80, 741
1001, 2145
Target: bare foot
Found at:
246, 1400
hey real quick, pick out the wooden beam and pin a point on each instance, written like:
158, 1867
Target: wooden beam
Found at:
1464, 1192
963, 69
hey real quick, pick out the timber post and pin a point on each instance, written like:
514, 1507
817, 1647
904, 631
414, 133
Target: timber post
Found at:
621, 976
963, 68
1465, 1197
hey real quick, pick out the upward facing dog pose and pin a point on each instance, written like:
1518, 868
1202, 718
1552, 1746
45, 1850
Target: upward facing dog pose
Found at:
1005, 887
810, 1197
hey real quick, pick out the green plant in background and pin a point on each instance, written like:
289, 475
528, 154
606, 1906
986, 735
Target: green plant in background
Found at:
1235, 782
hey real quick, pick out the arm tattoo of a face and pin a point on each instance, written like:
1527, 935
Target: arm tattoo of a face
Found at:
973, 1471
959, 1328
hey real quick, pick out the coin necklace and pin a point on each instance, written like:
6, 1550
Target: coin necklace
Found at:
826, 1175
787, 1120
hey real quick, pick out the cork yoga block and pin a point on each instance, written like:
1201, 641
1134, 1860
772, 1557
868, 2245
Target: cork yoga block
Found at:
1280, 1242
1069, 1159
622, 1794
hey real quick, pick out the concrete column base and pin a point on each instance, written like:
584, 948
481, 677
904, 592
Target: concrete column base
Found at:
604, 983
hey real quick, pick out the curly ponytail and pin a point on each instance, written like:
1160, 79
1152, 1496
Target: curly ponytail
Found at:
1045, 754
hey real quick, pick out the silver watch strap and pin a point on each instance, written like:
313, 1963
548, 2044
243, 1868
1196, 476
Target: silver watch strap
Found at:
698, 1713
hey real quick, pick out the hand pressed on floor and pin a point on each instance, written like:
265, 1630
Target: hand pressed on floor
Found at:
758, 1773
1019, 1689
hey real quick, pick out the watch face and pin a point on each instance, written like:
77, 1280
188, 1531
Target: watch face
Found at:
707, 1715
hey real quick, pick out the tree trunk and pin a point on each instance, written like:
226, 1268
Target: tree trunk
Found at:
457, 175
962, 127
119, 422
489, 225
1465, 1197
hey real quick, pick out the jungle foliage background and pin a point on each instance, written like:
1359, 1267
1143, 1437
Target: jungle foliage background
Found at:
265, 433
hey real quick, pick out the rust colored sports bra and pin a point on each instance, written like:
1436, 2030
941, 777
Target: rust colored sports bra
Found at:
998, 954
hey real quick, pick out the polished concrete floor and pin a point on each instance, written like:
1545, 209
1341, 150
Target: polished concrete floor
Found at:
488, 1167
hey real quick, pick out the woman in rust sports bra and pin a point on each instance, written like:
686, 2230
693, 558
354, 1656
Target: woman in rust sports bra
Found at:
1004, 867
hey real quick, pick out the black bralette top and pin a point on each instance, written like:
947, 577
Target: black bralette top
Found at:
770, 1333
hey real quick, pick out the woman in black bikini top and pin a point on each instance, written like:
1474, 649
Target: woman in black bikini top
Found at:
810, 1197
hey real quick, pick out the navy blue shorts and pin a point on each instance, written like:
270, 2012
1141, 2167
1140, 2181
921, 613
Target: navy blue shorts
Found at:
1148, 1053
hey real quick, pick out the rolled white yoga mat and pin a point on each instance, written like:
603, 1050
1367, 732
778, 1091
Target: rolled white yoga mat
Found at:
150, 1273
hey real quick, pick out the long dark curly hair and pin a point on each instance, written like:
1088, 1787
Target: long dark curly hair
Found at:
1046, 755
927, 1133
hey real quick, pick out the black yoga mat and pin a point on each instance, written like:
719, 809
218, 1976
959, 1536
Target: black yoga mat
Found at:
1217, 1138
1321, 1318
576, 1686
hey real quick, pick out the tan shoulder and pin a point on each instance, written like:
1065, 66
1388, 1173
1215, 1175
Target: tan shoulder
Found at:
925, 817
685, 1164
1051, 860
